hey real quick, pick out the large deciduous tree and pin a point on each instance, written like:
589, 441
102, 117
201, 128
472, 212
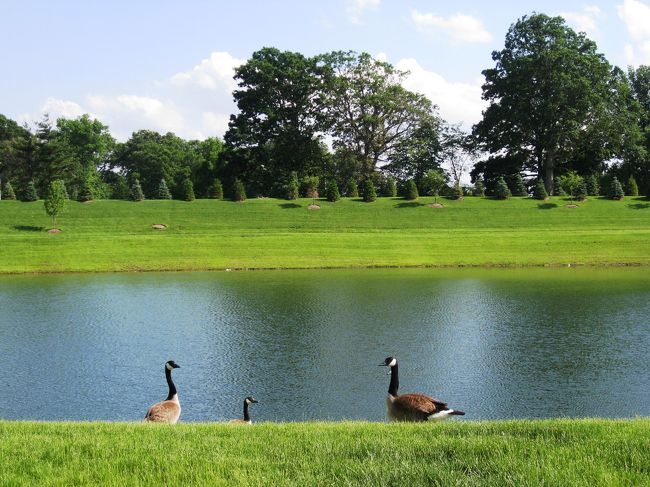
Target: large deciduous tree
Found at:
549, 91
369, 111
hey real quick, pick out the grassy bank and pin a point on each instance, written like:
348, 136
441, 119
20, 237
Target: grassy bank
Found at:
269, 233
555, 452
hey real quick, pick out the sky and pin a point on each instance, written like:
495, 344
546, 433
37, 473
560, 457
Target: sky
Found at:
167, 65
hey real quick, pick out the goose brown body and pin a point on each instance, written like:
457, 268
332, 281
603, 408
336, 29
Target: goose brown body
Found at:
247, 419
413, 406
169, 410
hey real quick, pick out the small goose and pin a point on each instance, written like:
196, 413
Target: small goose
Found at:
247, 419
169, 410
413, 407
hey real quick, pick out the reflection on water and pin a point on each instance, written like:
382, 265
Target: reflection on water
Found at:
496, 343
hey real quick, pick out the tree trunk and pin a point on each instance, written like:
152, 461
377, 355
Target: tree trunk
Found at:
547, 169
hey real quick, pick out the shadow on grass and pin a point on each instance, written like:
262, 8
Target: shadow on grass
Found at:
28, 228
546, 206
409, 204
639, 206
288, 206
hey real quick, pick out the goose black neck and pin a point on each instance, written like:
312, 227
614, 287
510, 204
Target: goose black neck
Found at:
170, 383
246, 416
394, 381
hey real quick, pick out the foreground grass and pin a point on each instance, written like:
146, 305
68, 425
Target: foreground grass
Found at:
269, 233
521, 453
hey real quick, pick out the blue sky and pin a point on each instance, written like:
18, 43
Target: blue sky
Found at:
167, 65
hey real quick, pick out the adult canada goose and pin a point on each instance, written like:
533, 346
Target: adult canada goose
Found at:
169, 410
247, 418
413, 407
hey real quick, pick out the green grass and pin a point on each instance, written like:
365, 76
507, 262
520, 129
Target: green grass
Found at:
516, 453
269, 233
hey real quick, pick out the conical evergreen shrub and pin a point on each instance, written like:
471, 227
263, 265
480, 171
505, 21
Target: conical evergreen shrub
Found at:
369, 192
540, 191
333, 192
351, 190
479, 188
310, 186
30, 193
187, 189
390, 187
293, 187
615, 189
518, 186
8, 192
557, 188
85, 193
239, 192
632, 188
593, 185
580, 190
163, 191
136, 191
457, 192
411, 190
501, 190
216, 190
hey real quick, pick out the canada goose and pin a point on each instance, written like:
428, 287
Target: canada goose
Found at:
247, 418
413, 407
169, 410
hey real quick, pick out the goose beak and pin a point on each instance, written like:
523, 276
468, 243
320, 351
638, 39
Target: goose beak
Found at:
177, 366
382, 365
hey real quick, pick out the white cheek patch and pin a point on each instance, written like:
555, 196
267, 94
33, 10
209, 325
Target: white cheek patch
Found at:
168, 367
393, 363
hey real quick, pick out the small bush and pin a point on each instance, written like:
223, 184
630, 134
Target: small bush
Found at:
55, 199
293, 187
136, 191
540, 191
8, 192
351, 190
518, 186
333, 192
239, 192
216, 190
120, 189
593, 185
632, 188
501, 190
85, 193
580, 190
615, 189
456, 192
558, 190
369, 193
310, 186
30, 193
411, 190
390, 187
187, 189
479, 188
163, 191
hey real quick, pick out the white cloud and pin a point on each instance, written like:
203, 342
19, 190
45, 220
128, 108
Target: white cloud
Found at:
458, 102
214, 73
461, 27
636, 17
584, 21
356, 9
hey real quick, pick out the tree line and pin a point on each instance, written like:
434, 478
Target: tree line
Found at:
342, 123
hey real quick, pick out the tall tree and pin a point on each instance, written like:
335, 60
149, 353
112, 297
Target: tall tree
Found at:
369, 111
549, 90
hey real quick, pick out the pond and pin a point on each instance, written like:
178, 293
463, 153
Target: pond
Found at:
525, 343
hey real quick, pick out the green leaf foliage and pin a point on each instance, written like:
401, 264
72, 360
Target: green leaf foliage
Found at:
216, 190
8, 192
389, 188
187, 190
540, 191
352, 190
30, 194
615, 189
163, 191
333, 191
632, 189
239, 192
558, 190
136, 191
55, 199
85, 193
593, 185
293, 187
479, 188
501, 190
369, 192
411, 190
456, 192
580, 190
518, 187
